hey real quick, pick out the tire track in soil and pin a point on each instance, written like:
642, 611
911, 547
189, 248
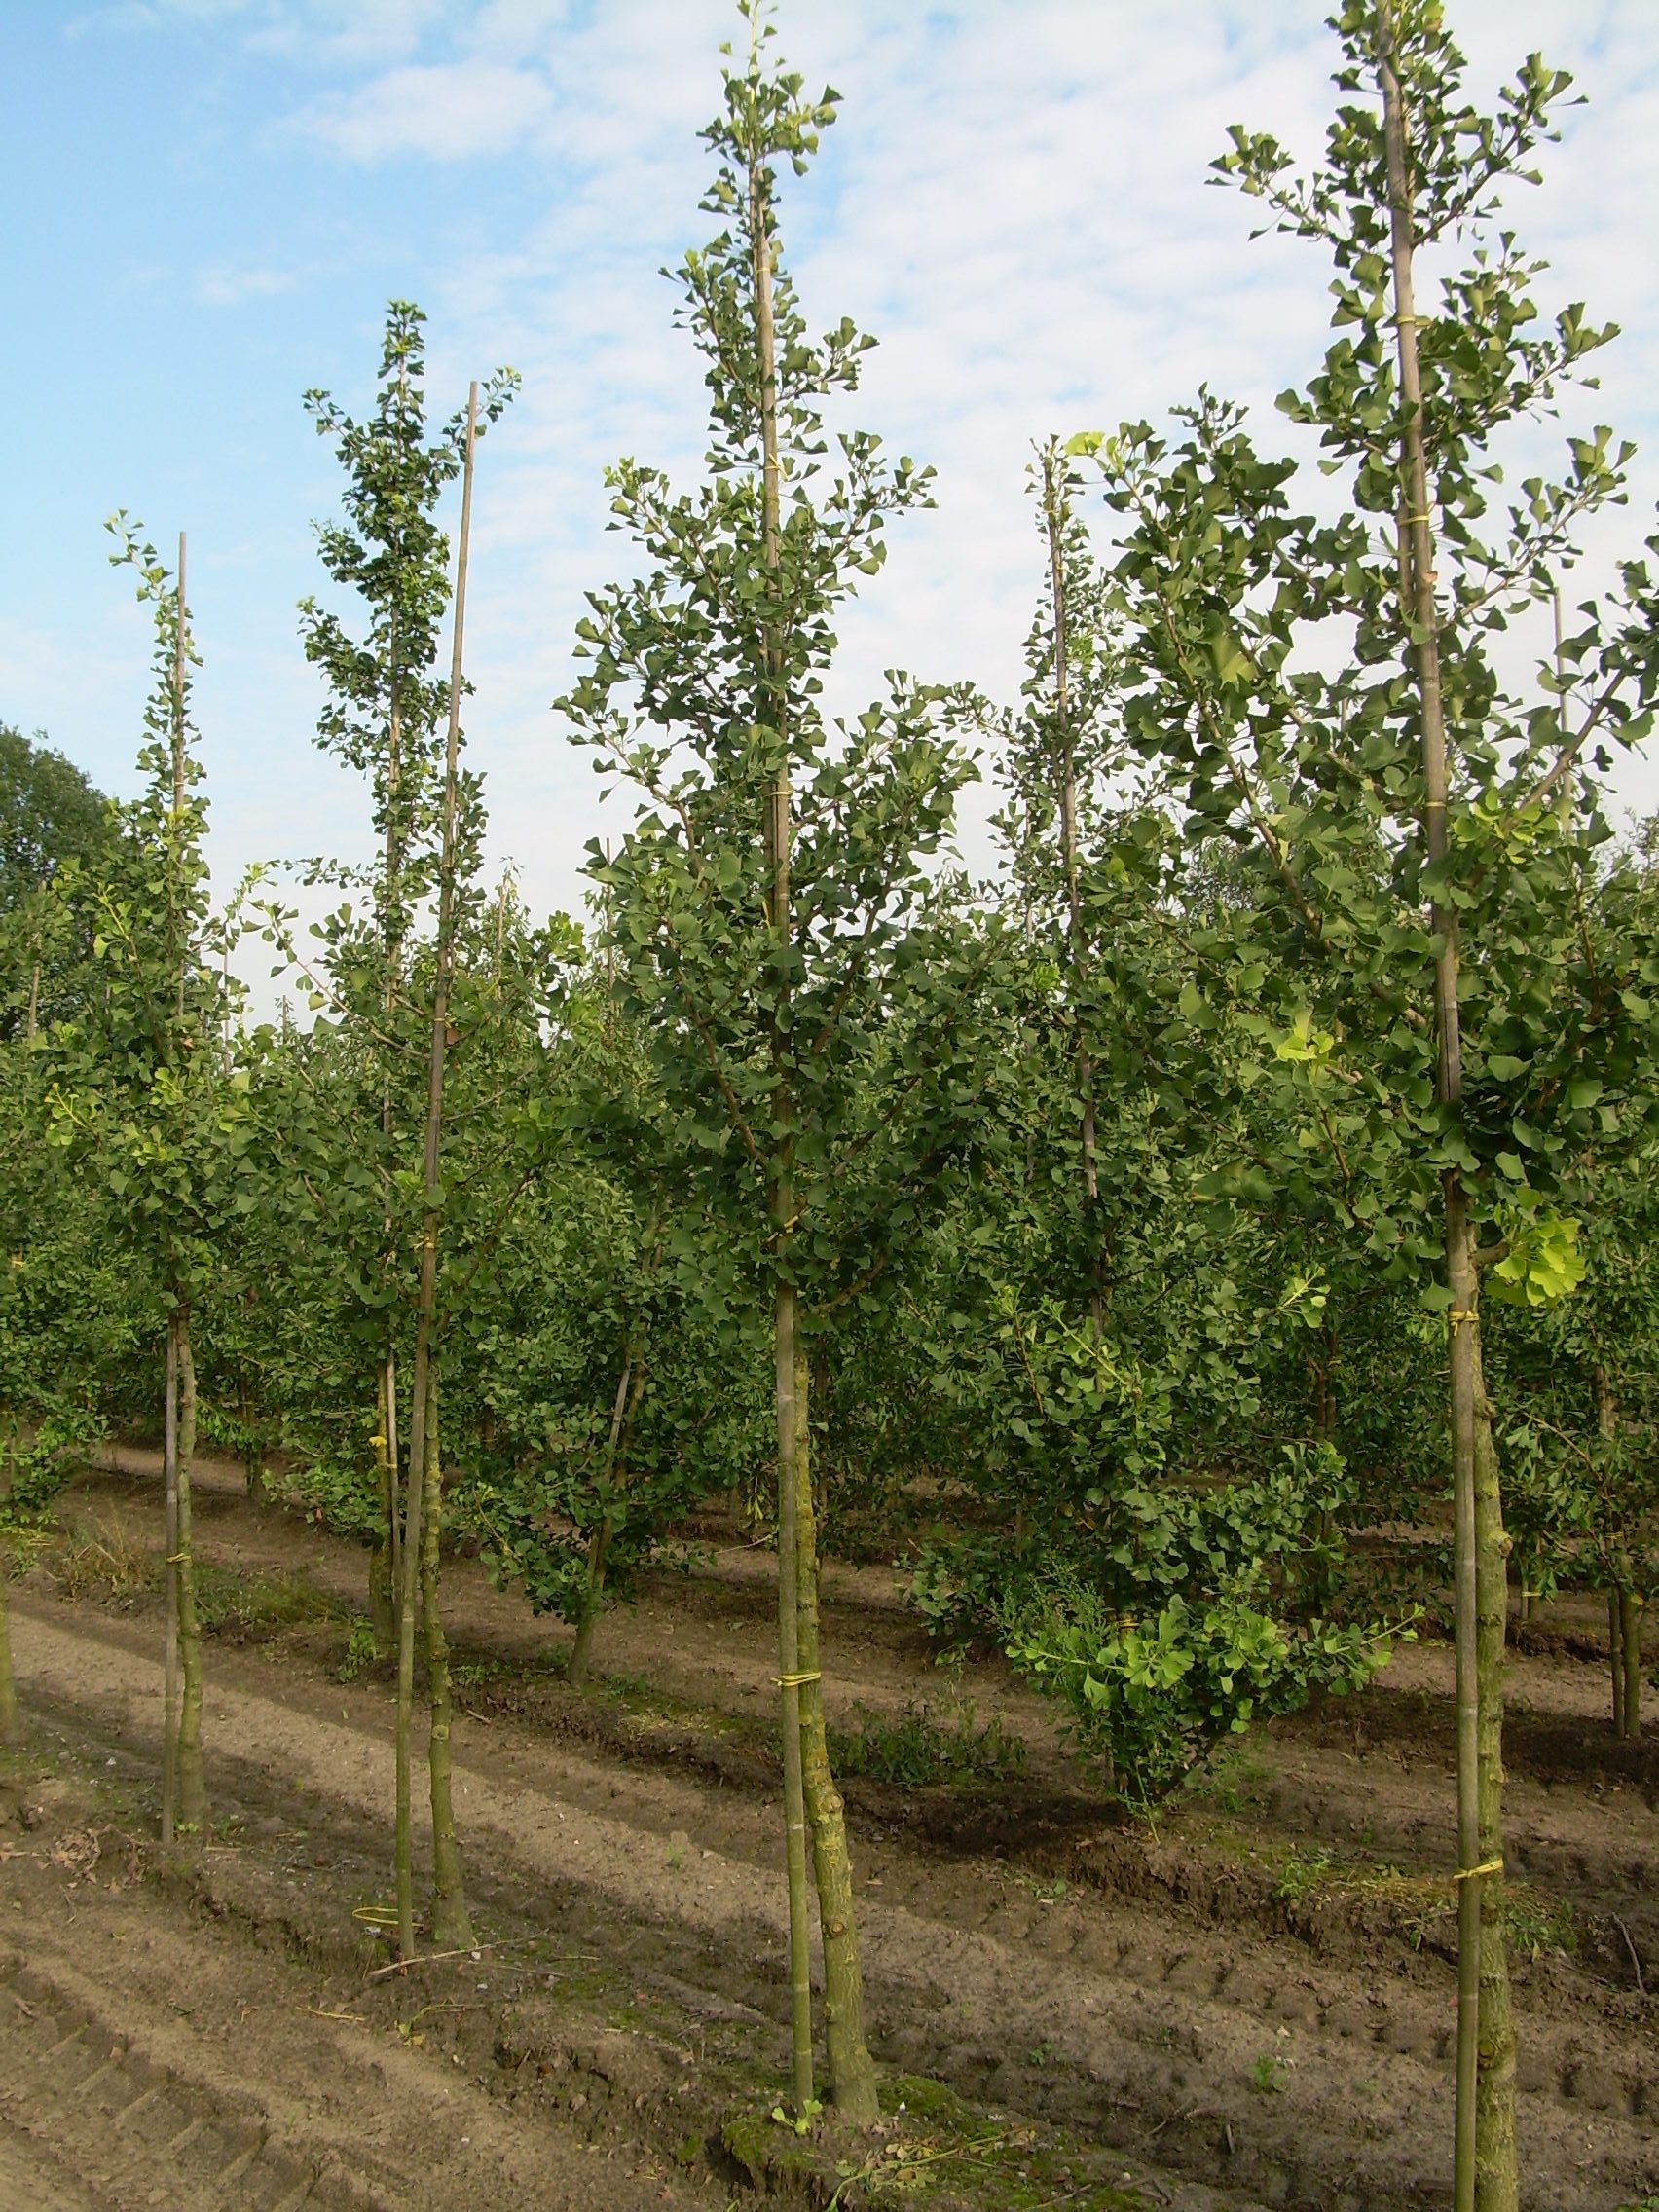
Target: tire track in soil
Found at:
1149, 2039
134, 2134
117, 2097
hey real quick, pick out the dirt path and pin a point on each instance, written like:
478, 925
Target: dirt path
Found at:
151, 2058
30, 2182
1257, 2001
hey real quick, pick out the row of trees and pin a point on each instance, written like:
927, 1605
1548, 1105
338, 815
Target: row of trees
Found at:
1154, 1241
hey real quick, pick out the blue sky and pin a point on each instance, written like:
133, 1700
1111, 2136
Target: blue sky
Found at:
219, 195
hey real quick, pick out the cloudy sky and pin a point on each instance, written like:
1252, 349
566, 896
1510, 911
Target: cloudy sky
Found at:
210, 201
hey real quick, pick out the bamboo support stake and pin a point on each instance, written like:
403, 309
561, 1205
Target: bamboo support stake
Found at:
192, 1777
418, 1487
170, 1699
777, 806
852, 2072
169, 1555
1485, 2174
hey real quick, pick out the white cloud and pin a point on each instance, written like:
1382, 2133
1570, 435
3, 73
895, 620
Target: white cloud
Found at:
448, 111
224, 286
1014, 203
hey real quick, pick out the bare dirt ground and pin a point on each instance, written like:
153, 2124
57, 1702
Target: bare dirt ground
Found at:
1246, 2005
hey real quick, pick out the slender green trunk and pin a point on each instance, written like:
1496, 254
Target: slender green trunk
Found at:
852, 2071
1464, 1362
781, 1195
452, 1927
623, 1407
1616, 1656
790, 1689
1624, 1601
386, 1563
191, 1779
170, 1593
253, 1451
11, 1728
593, 1600
383, 1567
403, 1857
1630, 1627
418, 1568
1496, 2157
1484, 2177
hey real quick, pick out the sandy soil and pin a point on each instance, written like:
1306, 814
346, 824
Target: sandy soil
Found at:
1249, 2004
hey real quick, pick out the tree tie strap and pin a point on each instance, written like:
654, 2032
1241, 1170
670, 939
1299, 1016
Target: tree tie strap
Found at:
794, 1682
1458, 1316
1474, 1873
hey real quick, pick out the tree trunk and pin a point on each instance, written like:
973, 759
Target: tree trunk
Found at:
593, 1600
11, 1728
383, 1559
852, 2072
191, 1779
419, 1562
170, 1591
789, 1688
599, 1543
254, 1452
1624, 1601
452, 1927
781, 1190
1630, 1625
403, 1857
1484, 2175
1496, 2160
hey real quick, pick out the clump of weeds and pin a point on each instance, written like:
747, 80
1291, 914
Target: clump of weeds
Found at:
930, 1741
97, 1560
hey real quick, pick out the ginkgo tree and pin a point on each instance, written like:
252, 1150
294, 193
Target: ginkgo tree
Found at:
1417, 825
766, 905
146, 1091
384, 716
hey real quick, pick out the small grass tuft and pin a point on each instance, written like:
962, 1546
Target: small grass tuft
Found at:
228, 1599
1535, 1922
928, 1742
1268, 2076
97, 1560
1232, 1780
362, 1651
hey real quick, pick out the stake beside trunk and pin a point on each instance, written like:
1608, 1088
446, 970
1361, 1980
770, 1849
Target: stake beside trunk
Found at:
1485, 2171
424, 1489
852, 2071
807, 1777
11, 1727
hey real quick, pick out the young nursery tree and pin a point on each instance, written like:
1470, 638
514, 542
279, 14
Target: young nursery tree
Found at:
1415, 832
457, 839
387, 703
384, 717
143, 1090
1056, 756
764, 902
